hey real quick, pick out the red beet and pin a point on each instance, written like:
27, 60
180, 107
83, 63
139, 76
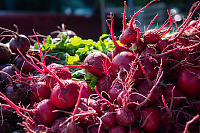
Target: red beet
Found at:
163, 43
38, 92
104, 84
95, 130
5, 54
97, 63
151, 36
131, 32
44, 112
154, 35
149, 51
118, 129
150, 66
140, 46
134, 130
95, 105
20, 42
55, 125
189, 81
129, 35
144, 89
65, 96
151, 119
87, 91
125, 117
115, 91
180, 54
108, 120
72, 127
122, 63
168, 93
60, 71
8, 72
22, 65
18, 93
118, 48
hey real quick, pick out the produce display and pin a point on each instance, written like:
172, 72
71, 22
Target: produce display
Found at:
135, 83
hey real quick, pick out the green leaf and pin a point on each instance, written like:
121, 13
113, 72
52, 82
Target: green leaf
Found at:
63, 36
76, 41
72, 59
103, 36
36, 46
78, 74
91, 79
48, 40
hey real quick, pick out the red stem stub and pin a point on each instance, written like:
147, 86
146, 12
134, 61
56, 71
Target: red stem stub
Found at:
190, 122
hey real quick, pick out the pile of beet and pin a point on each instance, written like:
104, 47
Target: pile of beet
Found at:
150, 83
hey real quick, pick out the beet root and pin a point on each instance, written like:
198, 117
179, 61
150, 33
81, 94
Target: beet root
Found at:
20, 42
5, 54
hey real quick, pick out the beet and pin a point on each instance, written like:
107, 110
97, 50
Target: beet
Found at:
140, 46
55, 125
108, 120
10, 69
166, 122
65, 96
150, 66
151, 36
18, 93
38, 92
87, 91
154, 35
44, 112
118, 129
125, 117
104, 84
163, 43
60, 71
3, 66
168, 92
71, 127
95, 130
134, 130
180, 54
20, 42
95, 105
129, 35
151, 119
115, 91
130, 31
149, 51
122, 63
97, 63
5, 54
189, 81
118, 48
22, 65
144, 89
8, 74
84, 120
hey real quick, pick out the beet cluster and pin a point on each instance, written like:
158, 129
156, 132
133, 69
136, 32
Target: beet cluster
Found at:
150, 83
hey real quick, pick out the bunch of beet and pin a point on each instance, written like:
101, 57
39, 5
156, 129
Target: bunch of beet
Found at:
151, 83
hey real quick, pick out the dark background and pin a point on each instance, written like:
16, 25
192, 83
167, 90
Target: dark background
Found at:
81, 16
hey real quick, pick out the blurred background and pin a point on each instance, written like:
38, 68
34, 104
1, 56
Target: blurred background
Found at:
85, 17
